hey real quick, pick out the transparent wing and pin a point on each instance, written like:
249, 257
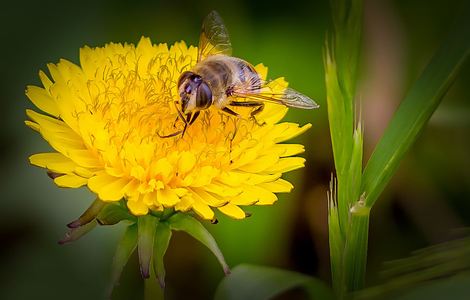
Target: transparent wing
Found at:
214, 37
265, 91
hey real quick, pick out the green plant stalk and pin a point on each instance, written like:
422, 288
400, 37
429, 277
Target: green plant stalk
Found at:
355, 250
416, 109
347, 231
336, 241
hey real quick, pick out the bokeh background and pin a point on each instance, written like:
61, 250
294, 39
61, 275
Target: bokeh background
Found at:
428, 199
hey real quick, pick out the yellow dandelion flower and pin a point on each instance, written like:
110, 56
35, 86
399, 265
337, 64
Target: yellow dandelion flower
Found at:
106, 119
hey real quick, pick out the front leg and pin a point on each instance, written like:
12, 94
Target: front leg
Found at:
231, 112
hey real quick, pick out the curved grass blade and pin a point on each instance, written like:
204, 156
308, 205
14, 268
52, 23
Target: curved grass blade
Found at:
193, 227
114, 213
162, 240
147, 226
89, 214
124, 250
260, 283
75, 233
416, 109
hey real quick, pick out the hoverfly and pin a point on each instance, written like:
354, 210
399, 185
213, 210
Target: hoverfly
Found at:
221, 80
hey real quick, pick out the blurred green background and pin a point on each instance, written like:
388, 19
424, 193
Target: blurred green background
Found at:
426, 201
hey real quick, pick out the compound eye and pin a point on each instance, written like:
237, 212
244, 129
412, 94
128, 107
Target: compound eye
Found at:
183, 77
204, 96
188, 89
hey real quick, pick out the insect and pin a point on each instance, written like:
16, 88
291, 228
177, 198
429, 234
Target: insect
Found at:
221, 80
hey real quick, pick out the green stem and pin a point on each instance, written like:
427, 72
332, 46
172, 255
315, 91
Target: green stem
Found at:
355, 252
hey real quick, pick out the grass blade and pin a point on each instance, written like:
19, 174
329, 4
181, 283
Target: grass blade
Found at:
193, 227
416, 109
124, 251
147, 225
162, 240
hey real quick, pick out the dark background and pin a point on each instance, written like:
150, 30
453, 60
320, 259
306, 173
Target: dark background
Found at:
427, 199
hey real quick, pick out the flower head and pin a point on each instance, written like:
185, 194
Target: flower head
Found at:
107, 117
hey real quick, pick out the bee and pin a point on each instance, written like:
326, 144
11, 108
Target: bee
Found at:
221, 80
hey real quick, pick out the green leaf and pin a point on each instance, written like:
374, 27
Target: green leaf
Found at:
416, 109
124, 250
193, 227
75, 233
162, 240
147, 226
89, 214
114, 213
259, 283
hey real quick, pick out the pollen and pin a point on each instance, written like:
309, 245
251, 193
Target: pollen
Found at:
108, 120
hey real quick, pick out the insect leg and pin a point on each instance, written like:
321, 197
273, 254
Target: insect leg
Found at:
230, 112
257, 111
246, 103
170, 135
185, 120
192, 118
259, 108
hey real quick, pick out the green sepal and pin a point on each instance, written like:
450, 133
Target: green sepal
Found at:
89, 215
147, 226
188, 224
259, 283
162, 240
114, 213
124, 250
75, 233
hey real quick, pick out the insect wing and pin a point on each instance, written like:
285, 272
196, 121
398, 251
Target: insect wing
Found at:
268, 92
214, 37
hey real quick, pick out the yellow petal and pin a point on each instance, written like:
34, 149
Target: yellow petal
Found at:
222, 190
137, 208
261, 195
289, 131
107, 187
85, 158
185, 204
113, 191
208, 198
262, 71
186, 162
255, 179
277, 186
243, 199
260, 164
286, 164
233, 178
284, 150
41, 98
34, 126
150, 199
55, 162
233, 211
46, 82
167, 197
70, 181
203, 176
203, 210
163, 168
